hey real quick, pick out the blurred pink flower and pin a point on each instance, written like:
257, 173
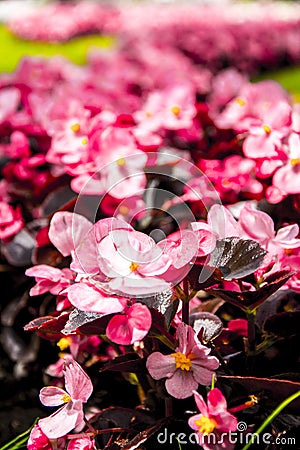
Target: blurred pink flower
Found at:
78, 389
213, 418
11, 221
187, 367
81, 443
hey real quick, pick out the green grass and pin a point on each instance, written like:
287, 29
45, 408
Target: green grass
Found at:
12, 49
289, 78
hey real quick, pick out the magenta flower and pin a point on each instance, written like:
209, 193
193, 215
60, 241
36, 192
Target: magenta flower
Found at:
39, 441
187, 367
78, 389
81, 443
213, 418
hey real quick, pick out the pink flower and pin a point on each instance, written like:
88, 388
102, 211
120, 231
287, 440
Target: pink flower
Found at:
11, 221
213, 418
39, 441
259, 226
187, 367
130, 327
286, 178
49, 279
81, 443
133, 262
78, 389
9, 100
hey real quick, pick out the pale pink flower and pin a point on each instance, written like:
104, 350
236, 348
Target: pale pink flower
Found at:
49, 279
78, 389
186, 368
259, 226
214, 418
133, 262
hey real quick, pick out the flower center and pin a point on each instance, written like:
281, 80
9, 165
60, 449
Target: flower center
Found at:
121, 162
64, 343
84, 141
75, 128
66, 398
182, 361
295, 161
124, 210
206, 425
133, 267
240, 101
267, 129
175, 110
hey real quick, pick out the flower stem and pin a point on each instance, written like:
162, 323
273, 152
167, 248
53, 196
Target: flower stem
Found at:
185, 303
271, 417
251, 347
168, 406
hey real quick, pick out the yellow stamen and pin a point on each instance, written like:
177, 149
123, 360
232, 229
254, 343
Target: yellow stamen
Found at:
289, 251
84, 141
75, 128
133, 266
240, 101
226, 182
206, 425
121, 162
66, 398
295, 161
64, 343
266, 129
182, 361
148, 114
175, 110
124, 210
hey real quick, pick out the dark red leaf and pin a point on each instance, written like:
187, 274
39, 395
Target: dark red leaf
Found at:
49, 327
252, 299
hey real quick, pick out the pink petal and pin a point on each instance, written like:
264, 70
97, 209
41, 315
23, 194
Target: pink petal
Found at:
103, 227
77, 382
139, 320
202, 374
256, 224
60, 423
67, 230
286, 236
138, 286
222, 222
226, 421
181, 384
89, 298
52, 396
83, 443
201, 405
287, 179
160, 366
216, 402
187, 249
44, 271
130, 327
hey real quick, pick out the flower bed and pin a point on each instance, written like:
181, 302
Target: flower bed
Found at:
149, 212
